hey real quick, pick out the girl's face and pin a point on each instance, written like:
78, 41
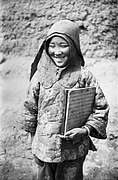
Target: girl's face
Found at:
59, 51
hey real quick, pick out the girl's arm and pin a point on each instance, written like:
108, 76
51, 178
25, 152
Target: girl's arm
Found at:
98, 119
30, 111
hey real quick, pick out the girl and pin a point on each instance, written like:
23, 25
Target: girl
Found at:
61, 66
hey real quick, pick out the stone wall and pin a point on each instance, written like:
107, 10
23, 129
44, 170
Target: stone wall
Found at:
24, 24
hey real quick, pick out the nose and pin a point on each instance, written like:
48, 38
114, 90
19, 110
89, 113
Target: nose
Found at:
57, 51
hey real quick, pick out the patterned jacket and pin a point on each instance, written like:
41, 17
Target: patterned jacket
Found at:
44, 113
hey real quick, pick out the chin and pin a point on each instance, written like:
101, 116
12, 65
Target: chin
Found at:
60, 65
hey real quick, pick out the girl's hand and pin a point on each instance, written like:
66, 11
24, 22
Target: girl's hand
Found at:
76, 133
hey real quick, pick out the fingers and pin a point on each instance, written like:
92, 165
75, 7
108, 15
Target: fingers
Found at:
69, 137
69, 133
61, 136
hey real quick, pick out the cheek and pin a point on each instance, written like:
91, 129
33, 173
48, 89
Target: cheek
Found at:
49, 51
68, 52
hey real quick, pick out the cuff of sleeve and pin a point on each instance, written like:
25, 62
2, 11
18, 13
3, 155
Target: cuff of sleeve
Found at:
88, 130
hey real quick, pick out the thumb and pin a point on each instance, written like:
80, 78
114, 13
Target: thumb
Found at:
68, 133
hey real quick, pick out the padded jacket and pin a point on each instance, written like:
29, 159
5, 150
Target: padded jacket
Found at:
44, 113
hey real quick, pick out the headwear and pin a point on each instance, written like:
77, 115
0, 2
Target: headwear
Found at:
61, 28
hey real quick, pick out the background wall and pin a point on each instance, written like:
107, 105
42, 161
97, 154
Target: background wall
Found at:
24, 24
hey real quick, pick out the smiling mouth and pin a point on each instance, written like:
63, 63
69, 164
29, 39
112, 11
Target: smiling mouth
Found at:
59, 57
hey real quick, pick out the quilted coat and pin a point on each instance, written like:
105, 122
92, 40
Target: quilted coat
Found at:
45, 104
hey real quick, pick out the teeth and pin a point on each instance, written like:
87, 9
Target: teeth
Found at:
58, 57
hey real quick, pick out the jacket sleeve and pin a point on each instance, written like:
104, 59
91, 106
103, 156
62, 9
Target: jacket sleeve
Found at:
98, 119
30, 110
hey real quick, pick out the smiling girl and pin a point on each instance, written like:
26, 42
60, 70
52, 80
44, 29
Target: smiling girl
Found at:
58, 65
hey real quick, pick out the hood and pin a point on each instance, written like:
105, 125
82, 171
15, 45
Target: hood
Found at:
63, 28
67, 28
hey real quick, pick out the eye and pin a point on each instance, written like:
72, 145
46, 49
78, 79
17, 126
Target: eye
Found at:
64, 45
52, 45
